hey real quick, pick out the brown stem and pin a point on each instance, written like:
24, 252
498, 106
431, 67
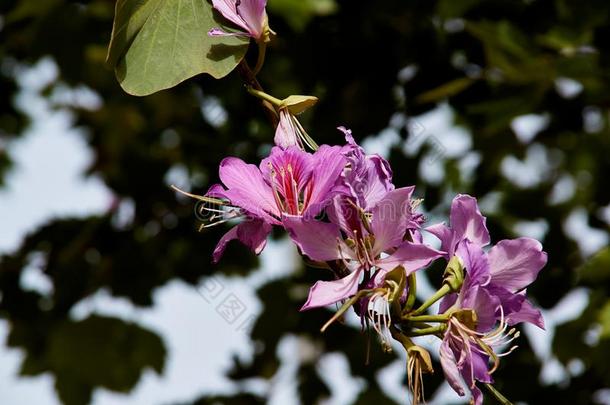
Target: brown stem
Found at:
249, 78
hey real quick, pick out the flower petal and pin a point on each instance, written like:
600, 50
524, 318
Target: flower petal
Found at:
515, 263
216, 191
448, 362
285, 133
515, 306
320, 241
475, 263
526, 312
447, 302
324, 293
467, 221
447, 236
247, 189
484, 305
328, 163
228, 9
391, 218
477, 396
411, 256
343, 212
369, 177
217, 32
284, 165
252, 233
253, 14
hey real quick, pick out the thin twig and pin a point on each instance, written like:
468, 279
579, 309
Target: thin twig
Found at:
249, 78
498, 395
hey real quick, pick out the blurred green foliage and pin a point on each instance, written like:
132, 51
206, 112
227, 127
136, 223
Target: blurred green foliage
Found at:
490, 61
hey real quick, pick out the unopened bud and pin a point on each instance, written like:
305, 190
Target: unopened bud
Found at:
297, 104
454, 274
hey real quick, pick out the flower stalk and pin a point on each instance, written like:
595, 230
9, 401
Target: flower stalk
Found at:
497, 395
260, 61
430, 330
444, 290
276, 102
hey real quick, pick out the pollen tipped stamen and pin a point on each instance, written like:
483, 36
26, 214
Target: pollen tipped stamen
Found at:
274, 188
486, 343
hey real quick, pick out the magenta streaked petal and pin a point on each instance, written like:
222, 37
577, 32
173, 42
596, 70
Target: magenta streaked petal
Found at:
247, 189
467, 221
328, 163
320, 241
391, 216
252, 233
284, 165
515, 263
216, 191
411, 256
324, 293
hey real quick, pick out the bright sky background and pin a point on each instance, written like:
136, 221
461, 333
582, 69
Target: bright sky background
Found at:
48, 182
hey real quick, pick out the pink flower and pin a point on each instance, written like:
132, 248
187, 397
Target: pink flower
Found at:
249, 15
493, 291
511, 265
288, 182
369, 177
373, 246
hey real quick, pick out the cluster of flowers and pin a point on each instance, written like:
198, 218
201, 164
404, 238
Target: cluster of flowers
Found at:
343, 212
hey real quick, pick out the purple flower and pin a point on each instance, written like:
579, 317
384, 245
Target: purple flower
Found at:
467, 223
470, 337
249, 15
493, 293
511, 265
375, 244
288, 182
369, 177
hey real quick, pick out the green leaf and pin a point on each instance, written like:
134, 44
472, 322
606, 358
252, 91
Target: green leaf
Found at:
157, 44
453, 9
604, 320
85, 354
446, 90
31, 8
298, 13
596, 271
